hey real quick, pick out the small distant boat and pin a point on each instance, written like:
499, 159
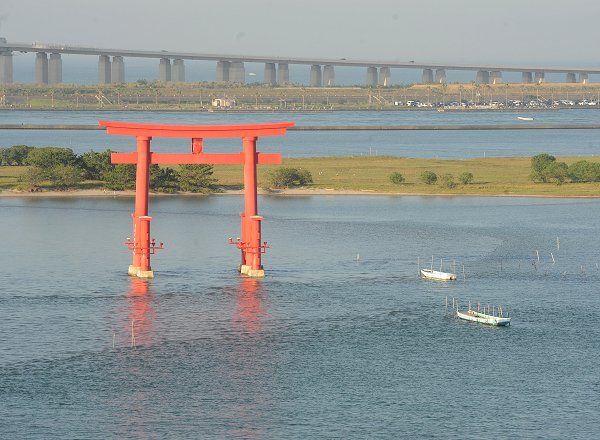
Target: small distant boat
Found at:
496, 318
524, 118
437, 275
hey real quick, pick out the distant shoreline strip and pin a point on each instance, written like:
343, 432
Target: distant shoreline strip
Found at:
346, 127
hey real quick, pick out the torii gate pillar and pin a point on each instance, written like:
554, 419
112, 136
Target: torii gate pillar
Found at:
251, 253
140, 266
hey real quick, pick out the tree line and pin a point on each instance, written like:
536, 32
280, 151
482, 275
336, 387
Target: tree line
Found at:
545, 168
62, 169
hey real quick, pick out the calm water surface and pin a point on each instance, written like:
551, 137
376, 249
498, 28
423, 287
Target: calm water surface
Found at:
340, 340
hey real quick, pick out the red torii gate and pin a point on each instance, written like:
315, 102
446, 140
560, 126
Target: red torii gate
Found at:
250, 242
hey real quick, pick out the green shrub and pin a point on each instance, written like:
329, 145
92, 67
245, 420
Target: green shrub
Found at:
287, 177
96, 165
120, 177
428, 177
14, 155
556, 172
32, 178
396, 178
64, 176
545, 168
49, 157
539, 163
584, 171
466, 178
196, 178
447, 181
163, 179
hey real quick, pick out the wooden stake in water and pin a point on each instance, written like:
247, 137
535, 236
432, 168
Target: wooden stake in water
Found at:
132, 334
553, 261
114, 337
538, 255
441, 264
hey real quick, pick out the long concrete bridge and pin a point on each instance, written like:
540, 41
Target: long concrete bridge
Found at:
230, 68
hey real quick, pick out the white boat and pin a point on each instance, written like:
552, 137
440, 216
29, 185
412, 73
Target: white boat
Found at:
437, 275
524, 118
484, 318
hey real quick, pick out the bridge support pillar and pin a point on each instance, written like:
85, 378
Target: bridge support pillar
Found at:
41, 68
496, 77
583, 77
270, 76
385, 77
571, 77
427, 76
6, 68
283, 74
526, 78
539, 77
328, 76
440, 76
104, 69
117, 70
372, 76
483, 77
315, 76
222, 71
178, 72
164, 70
55, 69
237, 72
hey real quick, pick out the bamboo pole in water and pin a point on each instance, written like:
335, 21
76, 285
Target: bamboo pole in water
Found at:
132, 334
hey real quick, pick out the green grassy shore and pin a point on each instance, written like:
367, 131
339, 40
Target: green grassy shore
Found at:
370, 174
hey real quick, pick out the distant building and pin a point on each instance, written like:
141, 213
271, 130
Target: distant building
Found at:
223, 102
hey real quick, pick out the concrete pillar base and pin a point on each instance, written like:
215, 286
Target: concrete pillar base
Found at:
135, 271
253, 273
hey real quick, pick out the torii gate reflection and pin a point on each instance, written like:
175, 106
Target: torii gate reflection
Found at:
250, 244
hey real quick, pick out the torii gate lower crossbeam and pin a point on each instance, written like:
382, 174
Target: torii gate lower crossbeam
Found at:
250, 244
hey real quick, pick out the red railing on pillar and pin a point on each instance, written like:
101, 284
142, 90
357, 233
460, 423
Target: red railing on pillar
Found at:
250, 244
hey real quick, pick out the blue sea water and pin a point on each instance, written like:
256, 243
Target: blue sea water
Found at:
340, 340
453, 144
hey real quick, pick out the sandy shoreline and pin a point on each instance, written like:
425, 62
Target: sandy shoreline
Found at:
92, 193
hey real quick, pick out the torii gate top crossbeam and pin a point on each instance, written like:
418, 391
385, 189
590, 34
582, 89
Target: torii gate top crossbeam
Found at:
196, 131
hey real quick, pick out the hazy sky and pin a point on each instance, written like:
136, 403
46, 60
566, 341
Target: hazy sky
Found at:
552, 32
